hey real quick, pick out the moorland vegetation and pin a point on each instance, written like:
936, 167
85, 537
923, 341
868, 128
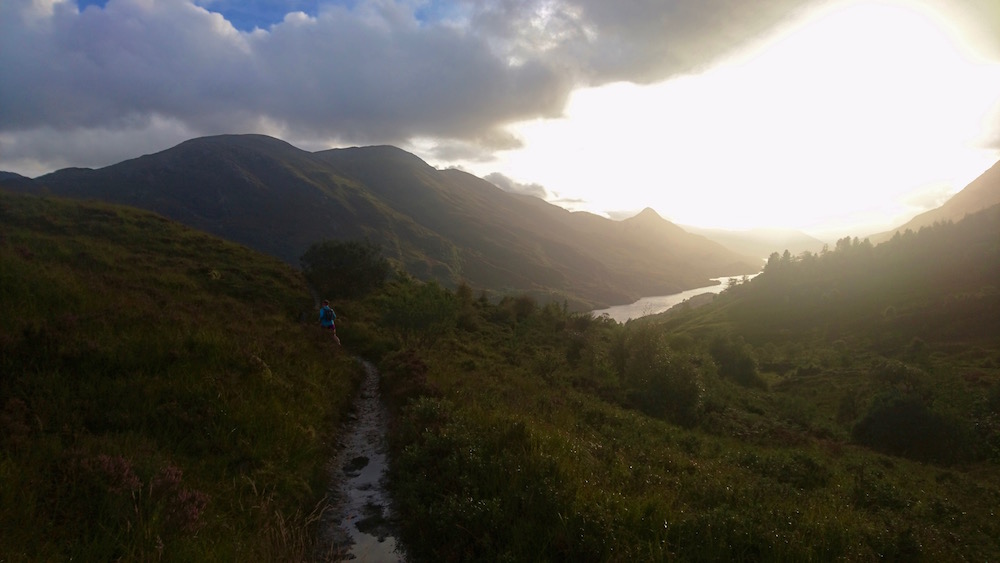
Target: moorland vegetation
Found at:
841, 406
165, 398
161, 398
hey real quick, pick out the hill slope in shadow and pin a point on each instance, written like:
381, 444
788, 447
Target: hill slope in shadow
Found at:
436, 224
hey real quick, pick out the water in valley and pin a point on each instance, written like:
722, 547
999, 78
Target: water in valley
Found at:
660, 303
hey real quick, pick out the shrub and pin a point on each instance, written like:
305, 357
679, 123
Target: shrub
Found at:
896, 374
659, 382
668, 387
523, 306
504, 499
419, 313
736, 361
404, 378
993, 398
345, 269
901, 424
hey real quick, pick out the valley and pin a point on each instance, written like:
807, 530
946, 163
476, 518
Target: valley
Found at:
169, 394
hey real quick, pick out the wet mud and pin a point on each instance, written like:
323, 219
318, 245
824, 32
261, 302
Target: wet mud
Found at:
360, 525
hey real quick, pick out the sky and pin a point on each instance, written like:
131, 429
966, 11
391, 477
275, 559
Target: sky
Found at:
833, 117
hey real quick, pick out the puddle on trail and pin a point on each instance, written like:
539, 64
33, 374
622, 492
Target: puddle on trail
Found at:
359, 525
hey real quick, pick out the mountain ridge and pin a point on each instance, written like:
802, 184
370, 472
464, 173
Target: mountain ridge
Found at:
982, 193
761, 242
446, 225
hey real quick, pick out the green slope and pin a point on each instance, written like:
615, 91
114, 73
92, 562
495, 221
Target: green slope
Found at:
160, 398
841, 407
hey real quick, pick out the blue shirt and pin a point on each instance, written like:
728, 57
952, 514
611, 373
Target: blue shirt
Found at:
326, 323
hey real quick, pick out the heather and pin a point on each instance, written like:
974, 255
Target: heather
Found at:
165, 394
841, 406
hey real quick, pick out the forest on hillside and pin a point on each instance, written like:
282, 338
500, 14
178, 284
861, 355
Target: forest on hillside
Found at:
948, 269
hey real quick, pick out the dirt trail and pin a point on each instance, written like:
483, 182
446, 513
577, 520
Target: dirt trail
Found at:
360, 523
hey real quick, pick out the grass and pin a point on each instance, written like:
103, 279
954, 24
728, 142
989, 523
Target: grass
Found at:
166, 396
161, 399
526, 444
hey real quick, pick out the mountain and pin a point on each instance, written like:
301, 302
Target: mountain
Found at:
436, 224
761, 242
12, 179
980, 194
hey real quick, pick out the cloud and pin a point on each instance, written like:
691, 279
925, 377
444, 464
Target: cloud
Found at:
371, 71
508, 185
978, 21
374, 74
246, 15
38, 151
639, 41
449, 74
977, 24
991, 133
388, 78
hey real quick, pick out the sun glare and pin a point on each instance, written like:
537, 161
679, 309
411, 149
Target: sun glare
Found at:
840, 118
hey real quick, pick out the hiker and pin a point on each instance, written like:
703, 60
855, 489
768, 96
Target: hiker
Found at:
326, 316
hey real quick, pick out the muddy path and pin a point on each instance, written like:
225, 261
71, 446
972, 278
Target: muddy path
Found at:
360, 525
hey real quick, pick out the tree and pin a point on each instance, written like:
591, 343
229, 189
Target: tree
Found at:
736, 361
345, 269
659, 381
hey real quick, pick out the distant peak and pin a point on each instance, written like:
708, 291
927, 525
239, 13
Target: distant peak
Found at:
650, 221
648, 213
646, 217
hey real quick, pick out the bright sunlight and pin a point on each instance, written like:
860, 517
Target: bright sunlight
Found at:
858, 117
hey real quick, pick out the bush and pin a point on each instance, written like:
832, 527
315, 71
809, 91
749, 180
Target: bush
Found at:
345, 269
404, 378
659, 382
736, 361
669, 387
899, 375
478, 489
901, 424
419, 313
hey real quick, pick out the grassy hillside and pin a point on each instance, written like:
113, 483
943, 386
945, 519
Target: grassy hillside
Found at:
770, 425
160, 398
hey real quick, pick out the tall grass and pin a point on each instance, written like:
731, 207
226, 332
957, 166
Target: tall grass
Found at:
160, 398
531, 437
